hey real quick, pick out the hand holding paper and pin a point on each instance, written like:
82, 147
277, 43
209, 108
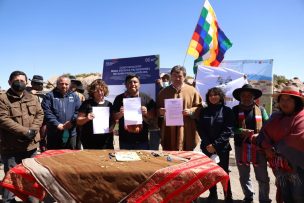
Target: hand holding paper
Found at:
174, 112
100, 124
132, 111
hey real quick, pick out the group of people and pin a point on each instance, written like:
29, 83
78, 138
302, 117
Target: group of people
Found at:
278, 140
62, 115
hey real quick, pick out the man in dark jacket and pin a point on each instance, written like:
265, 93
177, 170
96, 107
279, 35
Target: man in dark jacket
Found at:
36, 89
21, 117
133, 136
249, 119
60, 108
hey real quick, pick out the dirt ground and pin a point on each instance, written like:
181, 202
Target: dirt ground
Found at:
234, 178
237, 192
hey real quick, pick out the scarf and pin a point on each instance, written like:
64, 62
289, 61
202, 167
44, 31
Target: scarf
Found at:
249, 150
286, 135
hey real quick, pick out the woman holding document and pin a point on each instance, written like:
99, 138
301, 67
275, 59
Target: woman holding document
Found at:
134, 110
215, 128
97, 132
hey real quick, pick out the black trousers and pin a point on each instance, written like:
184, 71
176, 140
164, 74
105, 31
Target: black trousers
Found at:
55, 142
224, 164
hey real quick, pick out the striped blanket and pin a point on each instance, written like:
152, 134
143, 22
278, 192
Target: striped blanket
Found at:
95, 176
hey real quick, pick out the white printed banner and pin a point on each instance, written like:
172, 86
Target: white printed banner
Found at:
224, 78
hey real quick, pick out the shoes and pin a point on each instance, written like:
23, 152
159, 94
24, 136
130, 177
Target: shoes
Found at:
228, 200
212, 197
247, 200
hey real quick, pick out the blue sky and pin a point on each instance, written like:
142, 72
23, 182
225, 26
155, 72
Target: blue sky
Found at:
52, 37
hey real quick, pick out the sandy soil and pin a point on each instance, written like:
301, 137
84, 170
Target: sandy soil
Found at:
237, 192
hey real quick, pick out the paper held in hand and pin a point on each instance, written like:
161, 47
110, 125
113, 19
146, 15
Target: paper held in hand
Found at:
100, 124
132, 111
215, 158
174, 112
127, 156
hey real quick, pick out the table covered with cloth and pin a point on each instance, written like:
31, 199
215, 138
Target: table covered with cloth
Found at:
96, 176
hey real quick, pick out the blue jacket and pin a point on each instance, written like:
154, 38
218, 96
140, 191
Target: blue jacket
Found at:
60, 108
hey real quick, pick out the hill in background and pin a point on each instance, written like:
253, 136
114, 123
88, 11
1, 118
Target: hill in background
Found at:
87, 78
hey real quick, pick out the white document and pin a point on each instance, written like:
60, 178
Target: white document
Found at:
101, 119
215, 158
127, 156
132, 111
174, 112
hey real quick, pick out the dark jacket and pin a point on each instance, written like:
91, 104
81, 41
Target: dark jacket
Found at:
59, 109
249, 121
215, 127
124, 135
17, 116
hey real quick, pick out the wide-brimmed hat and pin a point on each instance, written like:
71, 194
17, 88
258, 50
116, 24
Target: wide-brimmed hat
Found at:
80, 88
289, 90
248, 88
37, 79
74, 80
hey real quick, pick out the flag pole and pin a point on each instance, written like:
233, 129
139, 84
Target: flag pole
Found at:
192, 34
185, 57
